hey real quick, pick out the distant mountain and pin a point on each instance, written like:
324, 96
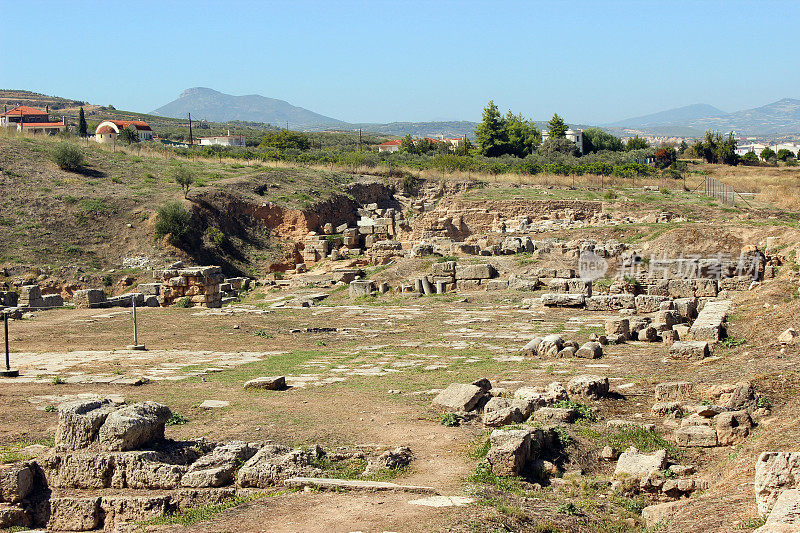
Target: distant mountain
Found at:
208, 104
680, 116
778, 118
456, 128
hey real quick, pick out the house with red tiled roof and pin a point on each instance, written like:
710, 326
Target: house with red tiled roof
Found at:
30, 120
390, 146
108, 130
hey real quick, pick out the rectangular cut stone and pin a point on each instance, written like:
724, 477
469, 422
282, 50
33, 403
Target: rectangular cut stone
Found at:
468, 285
649, 303
496, 285
697, 436
563, 300
610, 302
709, 325
484, 271
673, 391
689, 350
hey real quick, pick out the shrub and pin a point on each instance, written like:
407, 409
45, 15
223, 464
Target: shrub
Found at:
176, 419
185, 302
450, 420
173, 219
184, 177
68, 157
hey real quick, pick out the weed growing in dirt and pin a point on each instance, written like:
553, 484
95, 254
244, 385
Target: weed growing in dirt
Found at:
569, 508
730, 342
632, 505
450, 420
752, 523
583, 412
57, 380
185, 302
479, 448
264, 334
176, 419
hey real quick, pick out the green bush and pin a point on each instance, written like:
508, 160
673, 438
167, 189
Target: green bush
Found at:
68, 157
185, 302
450, 420
173, 219
176, 419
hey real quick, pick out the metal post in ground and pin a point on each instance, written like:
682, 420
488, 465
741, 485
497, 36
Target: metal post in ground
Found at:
135, 345
7, 372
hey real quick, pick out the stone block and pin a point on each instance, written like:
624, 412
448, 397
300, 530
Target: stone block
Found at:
481, 271
673, 391
588, 386
696, 436
459, 397
775, 472
267, 383
89, 298
563, 300
360, 288
133, 426
689, 350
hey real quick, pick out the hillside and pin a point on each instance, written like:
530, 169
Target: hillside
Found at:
208, 104
15, 97
778, 118
80, 224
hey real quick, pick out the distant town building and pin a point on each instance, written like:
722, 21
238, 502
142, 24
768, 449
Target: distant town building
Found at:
758, 147
222, 140
108, 130
575, 136
390, 146
31, 120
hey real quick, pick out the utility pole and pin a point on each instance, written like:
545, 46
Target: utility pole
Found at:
191, 142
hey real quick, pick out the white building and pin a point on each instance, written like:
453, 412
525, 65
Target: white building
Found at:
758, 147
222, 140
108, 130
390, 146
575, 136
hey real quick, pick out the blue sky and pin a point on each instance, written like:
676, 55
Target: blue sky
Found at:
360, 61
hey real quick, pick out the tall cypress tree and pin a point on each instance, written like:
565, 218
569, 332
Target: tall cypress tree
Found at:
82, 127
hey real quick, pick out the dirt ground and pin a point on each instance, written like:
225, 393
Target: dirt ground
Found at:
344, 387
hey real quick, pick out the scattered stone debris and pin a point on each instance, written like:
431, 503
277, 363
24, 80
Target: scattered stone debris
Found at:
111, 467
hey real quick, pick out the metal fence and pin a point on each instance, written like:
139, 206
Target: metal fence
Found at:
722, 192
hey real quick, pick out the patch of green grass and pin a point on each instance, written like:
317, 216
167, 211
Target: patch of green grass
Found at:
201, 513
584, 412
569, 508
94, 206
483, 475
263, 333
479, 448
752, 523
621, 439
731, 342
11, 453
